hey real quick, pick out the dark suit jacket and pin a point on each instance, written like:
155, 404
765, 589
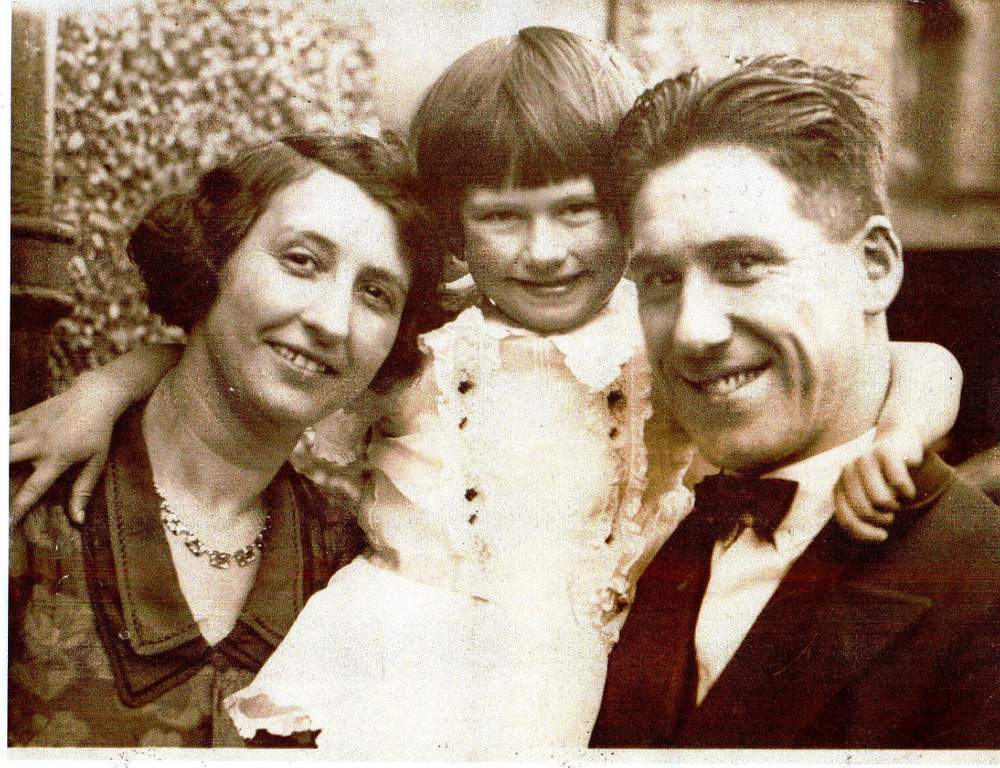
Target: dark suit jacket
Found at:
895, 645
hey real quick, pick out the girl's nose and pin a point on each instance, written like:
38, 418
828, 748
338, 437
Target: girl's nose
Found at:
545, 249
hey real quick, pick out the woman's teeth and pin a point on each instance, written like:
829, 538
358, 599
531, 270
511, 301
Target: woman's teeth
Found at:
730, 383
301, 361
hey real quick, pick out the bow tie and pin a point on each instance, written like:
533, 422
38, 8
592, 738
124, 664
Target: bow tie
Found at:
728, 503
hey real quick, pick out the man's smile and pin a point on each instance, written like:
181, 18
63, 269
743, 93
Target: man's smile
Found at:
724, 383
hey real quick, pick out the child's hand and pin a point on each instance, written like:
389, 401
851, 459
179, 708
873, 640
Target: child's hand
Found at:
57, 433
868, 491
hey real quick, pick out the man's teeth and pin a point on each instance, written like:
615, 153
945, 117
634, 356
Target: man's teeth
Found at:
726, 384
301, 361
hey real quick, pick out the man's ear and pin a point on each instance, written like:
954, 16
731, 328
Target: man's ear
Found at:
883, 262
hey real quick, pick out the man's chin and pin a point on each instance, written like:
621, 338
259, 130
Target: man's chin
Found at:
740, 450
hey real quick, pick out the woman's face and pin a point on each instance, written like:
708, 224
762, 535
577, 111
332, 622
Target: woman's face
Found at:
309, 303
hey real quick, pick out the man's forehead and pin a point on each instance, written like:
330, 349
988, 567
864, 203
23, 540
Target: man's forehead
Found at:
712, 193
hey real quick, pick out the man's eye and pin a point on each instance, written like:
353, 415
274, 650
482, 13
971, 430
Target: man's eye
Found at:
658, 281
300, 261
744, 268
497, 216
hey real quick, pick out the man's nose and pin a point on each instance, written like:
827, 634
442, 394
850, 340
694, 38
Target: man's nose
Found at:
327, 315
545, 249
702, 321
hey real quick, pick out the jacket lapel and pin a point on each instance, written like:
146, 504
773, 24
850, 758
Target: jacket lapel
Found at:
646, 689
819, 632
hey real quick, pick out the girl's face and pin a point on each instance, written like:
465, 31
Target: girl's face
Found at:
548, 257
309, 303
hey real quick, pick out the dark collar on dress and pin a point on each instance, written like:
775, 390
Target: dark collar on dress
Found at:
144, 622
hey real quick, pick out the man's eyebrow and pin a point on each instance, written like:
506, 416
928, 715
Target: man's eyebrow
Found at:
645, 258
740, 244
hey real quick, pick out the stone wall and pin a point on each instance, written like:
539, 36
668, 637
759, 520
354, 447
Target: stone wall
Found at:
149, 94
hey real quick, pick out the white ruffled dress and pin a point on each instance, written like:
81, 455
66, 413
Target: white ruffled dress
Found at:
508, 526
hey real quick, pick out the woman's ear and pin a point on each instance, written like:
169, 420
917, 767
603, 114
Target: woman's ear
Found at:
882, 255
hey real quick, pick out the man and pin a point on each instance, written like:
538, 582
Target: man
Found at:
765, 264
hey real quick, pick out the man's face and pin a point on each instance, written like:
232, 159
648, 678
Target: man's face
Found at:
753, 315
548, 257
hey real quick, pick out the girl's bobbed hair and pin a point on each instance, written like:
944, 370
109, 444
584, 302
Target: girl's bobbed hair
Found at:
527, 110
184, 241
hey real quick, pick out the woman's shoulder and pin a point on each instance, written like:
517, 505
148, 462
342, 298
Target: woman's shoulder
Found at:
328, 517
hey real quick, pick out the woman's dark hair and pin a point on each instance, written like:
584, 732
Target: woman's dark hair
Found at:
183, 242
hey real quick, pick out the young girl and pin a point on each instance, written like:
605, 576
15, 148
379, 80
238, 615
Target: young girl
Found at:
508, 510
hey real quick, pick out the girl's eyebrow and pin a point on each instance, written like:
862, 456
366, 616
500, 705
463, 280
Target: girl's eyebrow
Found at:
579, 197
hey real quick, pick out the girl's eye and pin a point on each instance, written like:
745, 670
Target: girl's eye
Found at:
580, 212
300, 261
497, 216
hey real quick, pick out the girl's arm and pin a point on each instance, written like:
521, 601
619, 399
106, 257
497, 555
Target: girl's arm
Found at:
76, 426
920, 407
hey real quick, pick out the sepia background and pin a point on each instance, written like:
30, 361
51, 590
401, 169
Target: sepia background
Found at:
116, 102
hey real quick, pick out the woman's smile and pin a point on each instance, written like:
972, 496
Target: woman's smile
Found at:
301, 360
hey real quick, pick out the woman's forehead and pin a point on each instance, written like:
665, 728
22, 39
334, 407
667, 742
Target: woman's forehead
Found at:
334, 211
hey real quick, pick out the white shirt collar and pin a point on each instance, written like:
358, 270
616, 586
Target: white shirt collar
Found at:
816, 476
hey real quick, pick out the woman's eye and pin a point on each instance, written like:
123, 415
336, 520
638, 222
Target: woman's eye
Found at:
300, 261
379, 296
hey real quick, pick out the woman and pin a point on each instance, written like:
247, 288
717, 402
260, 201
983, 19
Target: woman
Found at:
300, 273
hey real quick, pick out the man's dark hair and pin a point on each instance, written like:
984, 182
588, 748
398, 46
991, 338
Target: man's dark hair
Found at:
809, 122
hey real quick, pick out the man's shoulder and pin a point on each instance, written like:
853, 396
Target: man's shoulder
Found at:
961, 515
949, 549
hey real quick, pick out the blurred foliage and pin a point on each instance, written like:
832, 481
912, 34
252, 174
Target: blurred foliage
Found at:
149, 95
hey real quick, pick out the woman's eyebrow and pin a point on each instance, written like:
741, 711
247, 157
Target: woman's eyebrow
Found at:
320, 241
389, 275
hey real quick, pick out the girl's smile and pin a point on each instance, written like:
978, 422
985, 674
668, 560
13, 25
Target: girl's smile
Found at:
548, 257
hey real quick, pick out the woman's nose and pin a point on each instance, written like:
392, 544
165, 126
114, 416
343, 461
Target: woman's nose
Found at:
702, 321
328, 315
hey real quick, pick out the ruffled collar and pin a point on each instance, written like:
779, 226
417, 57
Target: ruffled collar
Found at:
594, 352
